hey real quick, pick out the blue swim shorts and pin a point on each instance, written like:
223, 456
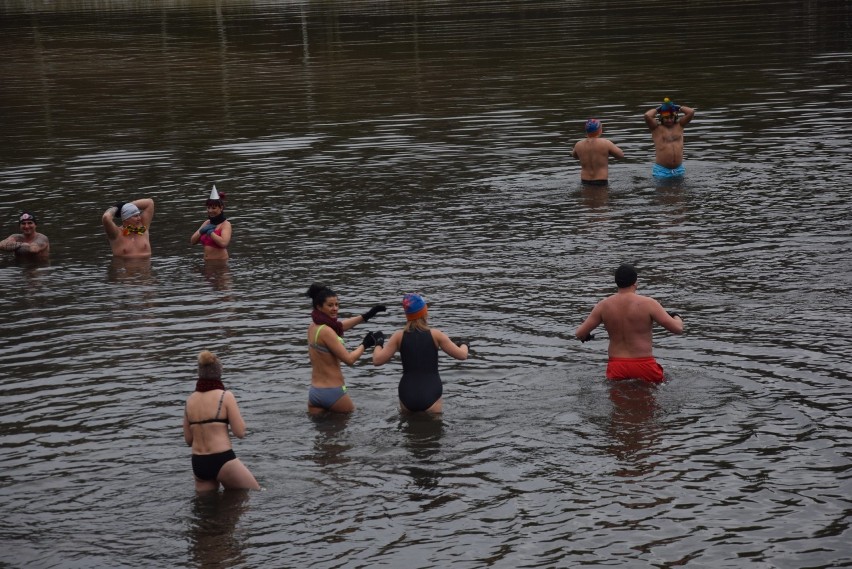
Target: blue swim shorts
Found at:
325, 397
663, 172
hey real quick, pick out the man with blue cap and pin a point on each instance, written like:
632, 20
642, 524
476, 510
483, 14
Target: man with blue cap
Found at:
666, 125
593, 152
131, 238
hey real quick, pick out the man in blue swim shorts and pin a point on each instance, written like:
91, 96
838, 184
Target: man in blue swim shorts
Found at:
666, 125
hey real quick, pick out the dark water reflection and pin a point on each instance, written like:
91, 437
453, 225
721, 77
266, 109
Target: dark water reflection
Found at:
389, 147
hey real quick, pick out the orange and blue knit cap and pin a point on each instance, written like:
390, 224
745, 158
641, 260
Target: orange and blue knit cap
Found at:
415, 306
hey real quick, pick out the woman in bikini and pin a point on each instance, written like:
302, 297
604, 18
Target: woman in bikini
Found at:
215, 232
420, 388
326, 350
210, 410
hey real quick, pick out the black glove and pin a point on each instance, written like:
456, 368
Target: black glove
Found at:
369, 340
673, 314
461, 342
379, 337
587, 338
209, 228
373, 311
118, 206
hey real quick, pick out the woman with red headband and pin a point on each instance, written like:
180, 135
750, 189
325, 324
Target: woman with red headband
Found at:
420, 388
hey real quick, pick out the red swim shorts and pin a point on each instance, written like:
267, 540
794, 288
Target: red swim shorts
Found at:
646, 369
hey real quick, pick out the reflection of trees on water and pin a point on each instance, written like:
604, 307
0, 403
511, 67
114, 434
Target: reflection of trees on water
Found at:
422, 437
329, 448
218, 275
213, 539
634, 428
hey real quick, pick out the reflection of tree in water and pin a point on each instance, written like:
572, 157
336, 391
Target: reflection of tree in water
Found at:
634, 426
328, 447
423, 433
130, 271
217, 274
212, 538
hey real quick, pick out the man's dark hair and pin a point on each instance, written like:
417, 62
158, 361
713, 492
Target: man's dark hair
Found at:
625, 276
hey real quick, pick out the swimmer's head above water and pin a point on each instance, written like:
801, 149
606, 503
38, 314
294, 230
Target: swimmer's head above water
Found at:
593, 127
209, 366
625, 276
319, 293
415, 306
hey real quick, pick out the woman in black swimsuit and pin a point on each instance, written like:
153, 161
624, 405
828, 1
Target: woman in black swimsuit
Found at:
420, 388
210, 410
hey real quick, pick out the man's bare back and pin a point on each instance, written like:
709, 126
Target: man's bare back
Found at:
593, 152
629, 320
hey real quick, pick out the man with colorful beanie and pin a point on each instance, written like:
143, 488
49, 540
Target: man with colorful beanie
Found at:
666, 125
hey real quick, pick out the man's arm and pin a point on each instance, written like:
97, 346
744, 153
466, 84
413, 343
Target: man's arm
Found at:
10, 243
109, 225
673, 324
688, 115
651, 118
37, 245
146, 208
593, 321
615, 151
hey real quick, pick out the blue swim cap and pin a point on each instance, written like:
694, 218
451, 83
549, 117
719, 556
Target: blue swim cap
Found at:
593, 125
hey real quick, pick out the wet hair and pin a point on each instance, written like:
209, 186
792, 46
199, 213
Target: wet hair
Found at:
209, 366
319, 293
625, 276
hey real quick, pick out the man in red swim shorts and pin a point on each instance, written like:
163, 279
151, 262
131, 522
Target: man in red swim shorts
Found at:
629, 319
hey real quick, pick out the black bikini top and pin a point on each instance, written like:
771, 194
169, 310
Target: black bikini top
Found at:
215, 419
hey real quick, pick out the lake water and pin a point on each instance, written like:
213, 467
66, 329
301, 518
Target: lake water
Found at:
388, 147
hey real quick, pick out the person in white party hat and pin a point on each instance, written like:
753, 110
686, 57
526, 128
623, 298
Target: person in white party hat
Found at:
215, 233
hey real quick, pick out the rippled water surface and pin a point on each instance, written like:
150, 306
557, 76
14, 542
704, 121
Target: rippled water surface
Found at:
387, 147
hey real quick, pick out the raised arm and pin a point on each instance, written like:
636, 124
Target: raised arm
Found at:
382, 354
449, 347
671, 321
651, 118
146, 208
688, 115
107, 219
339, 350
